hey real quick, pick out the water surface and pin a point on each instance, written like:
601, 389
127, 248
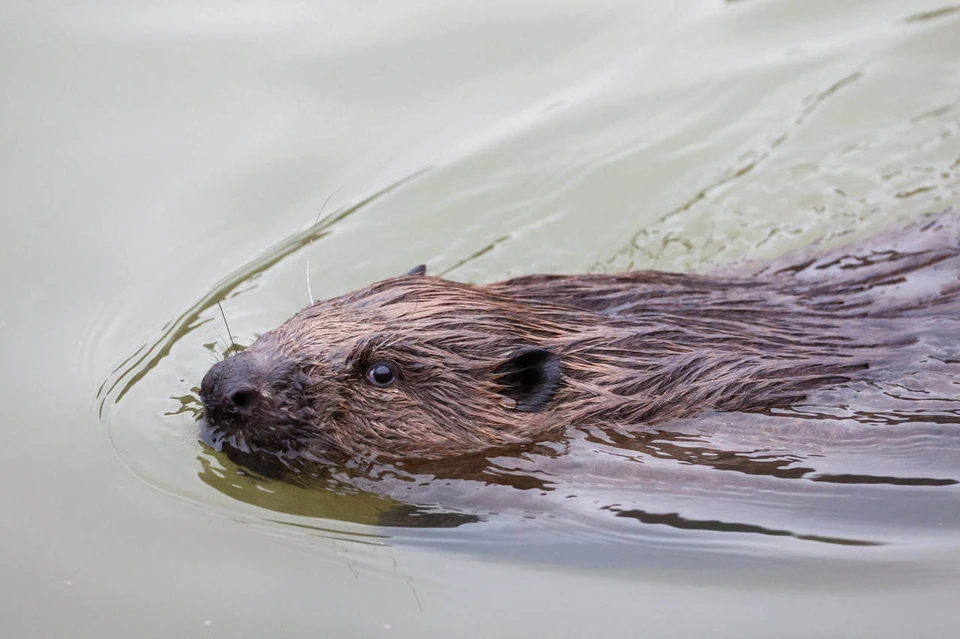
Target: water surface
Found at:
158, 158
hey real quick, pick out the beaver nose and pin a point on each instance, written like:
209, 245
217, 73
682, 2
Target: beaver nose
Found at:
242, 401
234, 387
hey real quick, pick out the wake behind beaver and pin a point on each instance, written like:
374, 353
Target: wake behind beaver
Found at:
419, 368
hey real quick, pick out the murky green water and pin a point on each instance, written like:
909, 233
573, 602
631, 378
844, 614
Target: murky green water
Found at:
157, 158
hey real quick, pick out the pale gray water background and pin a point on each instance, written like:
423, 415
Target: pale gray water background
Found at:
155, 156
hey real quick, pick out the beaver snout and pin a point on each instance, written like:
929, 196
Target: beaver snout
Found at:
235, 390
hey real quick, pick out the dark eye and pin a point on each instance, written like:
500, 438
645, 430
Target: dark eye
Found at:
382, 374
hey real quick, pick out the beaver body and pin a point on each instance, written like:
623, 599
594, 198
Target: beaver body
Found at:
422, 368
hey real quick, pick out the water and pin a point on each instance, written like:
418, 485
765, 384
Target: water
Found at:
160, 157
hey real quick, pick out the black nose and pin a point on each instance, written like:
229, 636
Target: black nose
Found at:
234, 387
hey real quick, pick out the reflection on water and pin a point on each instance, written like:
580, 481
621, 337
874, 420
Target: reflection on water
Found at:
327, 498
674, 520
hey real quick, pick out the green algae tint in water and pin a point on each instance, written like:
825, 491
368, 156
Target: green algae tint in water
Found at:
161, 157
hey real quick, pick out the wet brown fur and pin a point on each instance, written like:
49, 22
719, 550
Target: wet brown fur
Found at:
633, 348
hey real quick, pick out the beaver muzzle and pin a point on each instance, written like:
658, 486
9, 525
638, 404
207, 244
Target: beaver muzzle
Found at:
248, 388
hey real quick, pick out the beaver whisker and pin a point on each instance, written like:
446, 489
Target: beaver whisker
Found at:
313, 231
233, 345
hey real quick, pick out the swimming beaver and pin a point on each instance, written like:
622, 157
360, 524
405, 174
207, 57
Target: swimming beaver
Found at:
422, 368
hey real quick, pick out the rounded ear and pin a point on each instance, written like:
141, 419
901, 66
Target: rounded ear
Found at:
530, 377
420, 269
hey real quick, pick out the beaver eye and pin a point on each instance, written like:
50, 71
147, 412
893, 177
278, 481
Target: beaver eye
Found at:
382, 374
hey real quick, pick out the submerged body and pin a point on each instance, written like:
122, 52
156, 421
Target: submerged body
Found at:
418, 367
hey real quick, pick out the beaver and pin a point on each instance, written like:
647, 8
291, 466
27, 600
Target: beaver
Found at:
418, 367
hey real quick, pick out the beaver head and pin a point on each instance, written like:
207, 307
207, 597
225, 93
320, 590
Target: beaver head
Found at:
410, 367
419, 367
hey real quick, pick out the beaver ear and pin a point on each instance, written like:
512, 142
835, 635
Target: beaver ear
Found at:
420, 269
530, 377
